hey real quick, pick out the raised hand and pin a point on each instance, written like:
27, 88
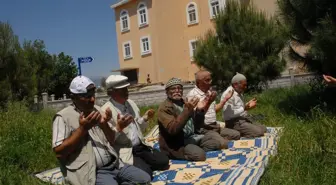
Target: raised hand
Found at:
329, 79
89, 121
205, 103
107, 117
150, 114
124, 121
228, 95
191, 103
252, 103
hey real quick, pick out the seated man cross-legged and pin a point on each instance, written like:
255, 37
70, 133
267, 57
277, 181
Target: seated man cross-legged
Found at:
84, 142
130, 143
203, 85
179, 121
235, 110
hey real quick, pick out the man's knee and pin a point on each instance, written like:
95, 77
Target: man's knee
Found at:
230, 134
255, 131
130, 173
161, 161
194, 153
213, 141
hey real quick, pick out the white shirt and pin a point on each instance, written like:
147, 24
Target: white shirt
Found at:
210, 115
61, 131
234, 107
123, 109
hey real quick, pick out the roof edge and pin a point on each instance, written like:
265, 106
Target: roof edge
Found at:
122, 2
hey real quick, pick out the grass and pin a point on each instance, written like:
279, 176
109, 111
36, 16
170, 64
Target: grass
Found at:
306, 153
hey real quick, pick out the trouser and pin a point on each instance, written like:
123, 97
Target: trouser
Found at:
246, 127
197, 145
226, 133
127, 175
149, 159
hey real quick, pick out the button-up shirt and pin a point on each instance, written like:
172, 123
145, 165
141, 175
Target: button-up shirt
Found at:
210, 115
234, 107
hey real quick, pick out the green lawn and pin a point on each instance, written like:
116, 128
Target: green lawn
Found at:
306, 154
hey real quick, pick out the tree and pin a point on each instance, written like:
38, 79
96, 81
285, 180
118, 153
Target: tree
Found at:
103, 82
63, 73
312, 23
245, 40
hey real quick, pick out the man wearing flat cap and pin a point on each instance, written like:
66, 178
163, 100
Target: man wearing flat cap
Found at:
179, 121
83, 142
130, 143
235, 110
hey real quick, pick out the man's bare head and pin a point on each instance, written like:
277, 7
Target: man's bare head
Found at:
203, 80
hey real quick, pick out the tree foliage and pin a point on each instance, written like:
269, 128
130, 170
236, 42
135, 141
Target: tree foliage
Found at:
29, 69
245, 40
312, 23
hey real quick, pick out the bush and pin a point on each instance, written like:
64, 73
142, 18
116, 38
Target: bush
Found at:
244, 41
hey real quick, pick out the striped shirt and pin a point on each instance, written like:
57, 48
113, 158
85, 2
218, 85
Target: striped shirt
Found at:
210, 116
61, 131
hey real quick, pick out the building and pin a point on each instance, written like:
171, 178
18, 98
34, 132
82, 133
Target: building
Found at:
158, 37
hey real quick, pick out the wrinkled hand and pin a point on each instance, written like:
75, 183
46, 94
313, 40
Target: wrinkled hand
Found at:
89, 121
124, 121
204, 105
150, 114
107, 117
228, 95
252, 103
329, 79
191, 103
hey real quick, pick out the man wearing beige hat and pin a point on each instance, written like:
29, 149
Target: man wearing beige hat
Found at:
83, 142
235, 110
179, 122
130, 143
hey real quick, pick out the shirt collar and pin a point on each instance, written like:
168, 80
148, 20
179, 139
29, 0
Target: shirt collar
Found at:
199, 91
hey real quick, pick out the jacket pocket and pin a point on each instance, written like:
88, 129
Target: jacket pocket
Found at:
79, 162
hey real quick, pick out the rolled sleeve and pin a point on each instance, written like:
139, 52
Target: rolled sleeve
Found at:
61, 131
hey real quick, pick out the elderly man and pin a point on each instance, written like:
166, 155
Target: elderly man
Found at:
203, 85
235, 110
178, 122
130, 143
83, 140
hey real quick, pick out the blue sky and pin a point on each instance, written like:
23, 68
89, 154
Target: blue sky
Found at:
76, 27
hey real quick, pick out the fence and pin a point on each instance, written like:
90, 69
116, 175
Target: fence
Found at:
153, 97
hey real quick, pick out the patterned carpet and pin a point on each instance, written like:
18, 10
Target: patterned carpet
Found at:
243, 163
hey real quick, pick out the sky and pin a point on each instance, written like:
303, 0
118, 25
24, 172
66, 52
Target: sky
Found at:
79, 28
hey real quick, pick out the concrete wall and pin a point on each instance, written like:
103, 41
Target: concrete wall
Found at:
154, 97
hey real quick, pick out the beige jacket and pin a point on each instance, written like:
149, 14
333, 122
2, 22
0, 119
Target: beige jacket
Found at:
80, 166
123, 143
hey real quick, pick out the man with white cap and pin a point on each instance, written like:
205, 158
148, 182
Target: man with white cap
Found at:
83, 142
235, 110
179, 122
130, 143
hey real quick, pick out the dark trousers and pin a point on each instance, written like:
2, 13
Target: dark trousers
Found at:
149, 159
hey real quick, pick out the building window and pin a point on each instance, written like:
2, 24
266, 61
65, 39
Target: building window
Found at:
142, 15
192, 48
192, 16
127, 48
124, 21
214, 8
145, 45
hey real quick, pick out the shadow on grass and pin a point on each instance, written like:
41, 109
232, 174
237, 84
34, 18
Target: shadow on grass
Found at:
300, 101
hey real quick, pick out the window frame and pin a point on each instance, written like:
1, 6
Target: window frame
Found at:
144, 8
122, 29
149, 51
188, 14
191, 50
130, 50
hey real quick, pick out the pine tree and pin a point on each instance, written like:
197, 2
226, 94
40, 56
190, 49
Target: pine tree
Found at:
312, 24
245, 40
